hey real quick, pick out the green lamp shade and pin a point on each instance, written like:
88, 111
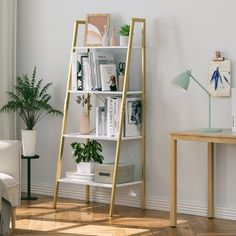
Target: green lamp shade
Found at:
182, 80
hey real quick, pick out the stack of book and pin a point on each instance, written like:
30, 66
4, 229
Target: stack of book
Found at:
79, 176
94, 71
108, 117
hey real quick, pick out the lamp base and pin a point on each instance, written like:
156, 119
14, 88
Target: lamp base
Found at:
210, 130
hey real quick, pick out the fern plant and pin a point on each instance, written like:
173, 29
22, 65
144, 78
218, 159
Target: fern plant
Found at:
87, 152
30, 100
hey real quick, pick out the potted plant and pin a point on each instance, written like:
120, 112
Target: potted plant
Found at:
84, 120
86, 155
31, 102
124, 35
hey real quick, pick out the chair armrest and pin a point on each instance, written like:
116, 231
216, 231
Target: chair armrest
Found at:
10, 158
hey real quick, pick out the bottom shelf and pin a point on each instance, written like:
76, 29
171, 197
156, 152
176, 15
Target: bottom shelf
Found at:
93, 183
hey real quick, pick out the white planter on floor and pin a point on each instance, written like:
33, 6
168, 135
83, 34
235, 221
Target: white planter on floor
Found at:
85, 167
29, 142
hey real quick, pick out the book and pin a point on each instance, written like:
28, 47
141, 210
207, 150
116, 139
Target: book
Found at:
79, 176
108, 77
76, 71
99, 58
74, 83
133, 116
86, 73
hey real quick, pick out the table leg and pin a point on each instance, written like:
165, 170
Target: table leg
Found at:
173, 182
210, 180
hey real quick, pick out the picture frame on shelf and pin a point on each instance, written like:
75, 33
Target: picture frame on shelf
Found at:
133, 116
95, 27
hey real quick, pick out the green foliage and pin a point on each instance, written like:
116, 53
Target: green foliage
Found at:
30, 100
124, 30
87, 152
84, 101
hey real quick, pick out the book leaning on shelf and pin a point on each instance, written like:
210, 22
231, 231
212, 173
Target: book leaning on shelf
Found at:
108, 117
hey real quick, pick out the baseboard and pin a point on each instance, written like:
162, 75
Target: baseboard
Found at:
198, 209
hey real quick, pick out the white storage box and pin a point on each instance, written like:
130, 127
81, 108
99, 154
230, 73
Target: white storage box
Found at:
104, 173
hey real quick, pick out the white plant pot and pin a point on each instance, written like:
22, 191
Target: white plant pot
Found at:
85, 167
124, 40
29, 142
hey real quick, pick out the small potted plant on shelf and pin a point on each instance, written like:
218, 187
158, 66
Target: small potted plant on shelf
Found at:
31, 102
124, 34
84, 120
86, 155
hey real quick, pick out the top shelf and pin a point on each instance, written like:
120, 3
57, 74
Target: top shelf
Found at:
106, 47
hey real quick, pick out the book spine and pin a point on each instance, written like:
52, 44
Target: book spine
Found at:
111, 125
92, 85
74, 82
108, 116
105, 118
97, 121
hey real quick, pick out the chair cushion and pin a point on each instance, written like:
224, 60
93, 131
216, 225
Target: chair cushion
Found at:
8, 180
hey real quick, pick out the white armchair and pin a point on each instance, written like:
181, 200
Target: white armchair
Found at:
10, 169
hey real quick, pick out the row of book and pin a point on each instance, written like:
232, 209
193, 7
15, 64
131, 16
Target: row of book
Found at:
108, 117
79, 176
94, 71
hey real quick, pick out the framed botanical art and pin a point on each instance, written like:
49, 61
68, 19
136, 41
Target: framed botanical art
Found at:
133, 116
219, 83
96, 24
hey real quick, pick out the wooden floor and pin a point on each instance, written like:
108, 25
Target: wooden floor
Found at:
77, 218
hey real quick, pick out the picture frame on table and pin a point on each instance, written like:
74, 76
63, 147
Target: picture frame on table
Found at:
95, 27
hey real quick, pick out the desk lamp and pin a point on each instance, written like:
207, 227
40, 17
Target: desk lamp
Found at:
182, 82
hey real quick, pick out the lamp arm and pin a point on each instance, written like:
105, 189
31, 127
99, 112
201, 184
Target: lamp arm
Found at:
200, 85
209, 96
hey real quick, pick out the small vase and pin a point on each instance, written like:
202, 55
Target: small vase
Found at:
105, 37
113, 39
124, 40
84, 124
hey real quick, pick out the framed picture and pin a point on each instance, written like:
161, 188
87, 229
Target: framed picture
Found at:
219, 83
133, 117
94, 29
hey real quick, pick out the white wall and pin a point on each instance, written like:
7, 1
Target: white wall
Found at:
180, 34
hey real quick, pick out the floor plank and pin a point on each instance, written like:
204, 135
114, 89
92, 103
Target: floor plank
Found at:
74, 217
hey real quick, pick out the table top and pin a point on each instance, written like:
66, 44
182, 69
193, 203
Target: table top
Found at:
30, 157
226, 136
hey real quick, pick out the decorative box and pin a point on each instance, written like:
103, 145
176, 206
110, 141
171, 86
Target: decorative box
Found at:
104, 173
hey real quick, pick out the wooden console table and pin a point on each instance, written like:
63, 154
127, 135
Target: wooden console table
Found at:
225, 137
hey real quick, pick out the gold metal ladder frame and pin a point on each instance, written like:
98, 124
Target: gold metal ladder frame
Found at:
123, 104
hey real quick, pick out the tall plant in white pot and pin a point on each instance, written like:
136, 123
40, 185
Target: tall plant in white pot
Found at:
31, 102
86, 155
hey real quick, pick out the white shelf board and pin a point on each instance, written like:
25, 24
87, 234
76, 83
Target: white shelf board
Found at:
106, 47
93, 183
95, 137
105, 92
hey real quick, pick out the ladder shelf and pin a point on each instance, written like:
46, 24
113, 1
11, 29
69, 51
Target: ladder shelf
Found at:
119, 137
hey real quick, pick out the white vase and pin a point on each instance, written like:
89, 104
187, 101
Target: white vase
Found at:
85, 167
124, 40
29, 142
105, 37
84, 124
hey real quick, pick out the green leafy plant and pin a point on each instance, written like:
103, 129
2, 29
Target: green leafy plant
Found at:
84, 101
124, 30
87, 152
30, 100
